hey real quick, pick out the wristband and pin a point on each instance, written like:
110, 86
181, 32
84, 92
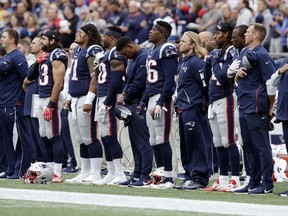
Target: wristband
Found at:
90, 97
51, 104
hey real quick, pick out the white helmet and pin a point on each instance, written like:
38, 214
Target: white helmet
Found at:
38, 173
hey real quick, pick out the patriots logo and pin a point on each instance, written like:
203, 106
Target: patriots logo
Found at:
170, 51
190, 125
184, 69
59, 53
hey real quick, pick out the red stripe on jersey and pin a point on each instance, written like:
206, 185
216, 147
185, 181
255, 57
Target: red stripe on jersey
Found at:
257, 95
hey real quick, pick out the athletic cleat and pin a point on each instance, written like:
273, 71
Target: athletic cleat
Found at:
246, 182
118, 179
78, 179
91, 178
284, 193
232, 186
193, 186
57, 179
108, 178
261, 191
216, 186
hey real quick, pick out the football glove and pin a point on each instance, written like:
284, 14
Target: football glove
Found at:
156, 113
48, 112
233, 68
42, 58
98, 58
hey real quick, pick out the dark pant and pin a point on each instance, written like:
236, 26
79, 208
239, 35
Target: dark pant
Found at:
193, 146
141, 148
7, 116
254, 132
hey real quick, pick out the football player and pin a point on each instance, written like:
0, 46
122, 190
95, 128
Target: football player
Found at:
82, 89
161, 66
52, 63
111, 66
132, 93
222, 107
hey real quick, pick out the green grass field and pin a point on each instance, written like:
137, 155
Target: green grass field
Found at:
13, 207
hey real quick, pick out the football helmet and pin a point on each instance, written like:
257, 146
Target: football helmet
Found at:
122, 112
38, 173
157, 176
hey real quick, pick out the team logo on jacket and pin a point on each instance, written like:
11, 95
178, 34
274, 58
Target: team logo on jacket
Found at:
184, 69
190, 125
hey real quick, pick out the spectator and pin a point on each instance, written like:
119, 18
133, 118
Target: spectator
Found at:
131, 26
245, 13
68, 26
264, 16
117, 15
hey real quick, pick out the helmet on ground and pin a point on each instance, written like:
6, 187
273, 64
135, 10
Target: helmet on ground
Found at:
38, 173
157, 176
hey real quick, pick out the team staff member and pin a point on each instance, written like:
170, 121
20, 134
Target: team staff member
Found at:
161, 69
256, 99
52, 63
31, 88
13, 69
138, 131
280, 80
192, 119
82, 89
111, 68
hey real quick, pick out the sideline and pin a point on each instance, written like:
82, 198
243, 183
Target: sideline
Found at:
175, 204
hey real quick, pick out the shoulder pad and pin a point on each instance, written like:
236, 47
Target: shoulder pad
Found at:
168, 50
58, 54
113, 54
229, 52
92, 50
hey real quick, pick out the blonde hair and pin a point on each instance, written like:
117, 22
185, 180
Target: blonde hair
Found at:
198, 50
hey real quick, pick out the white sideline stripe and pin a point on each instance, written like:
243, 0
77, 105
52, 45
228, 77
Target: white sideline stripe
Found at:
173, 204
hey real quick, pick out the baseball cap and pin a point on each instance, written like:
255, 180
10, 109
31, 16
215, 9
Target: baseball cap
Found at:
224, 27
51, 35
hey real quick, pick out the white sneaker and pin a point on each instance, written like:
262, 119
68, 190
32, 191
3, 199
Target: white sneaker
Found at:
78, 179
245, 184
91, 178
108, 178
118, 179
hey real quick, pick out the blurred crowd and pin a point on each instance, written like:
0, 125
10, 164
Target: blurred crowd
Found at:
136, 18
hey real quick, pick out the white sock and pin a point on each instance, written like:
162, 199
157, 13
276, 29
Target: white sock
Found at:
85, 165
95, 165
50, 165
57, 169
223, 180
110, 168
118, 166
